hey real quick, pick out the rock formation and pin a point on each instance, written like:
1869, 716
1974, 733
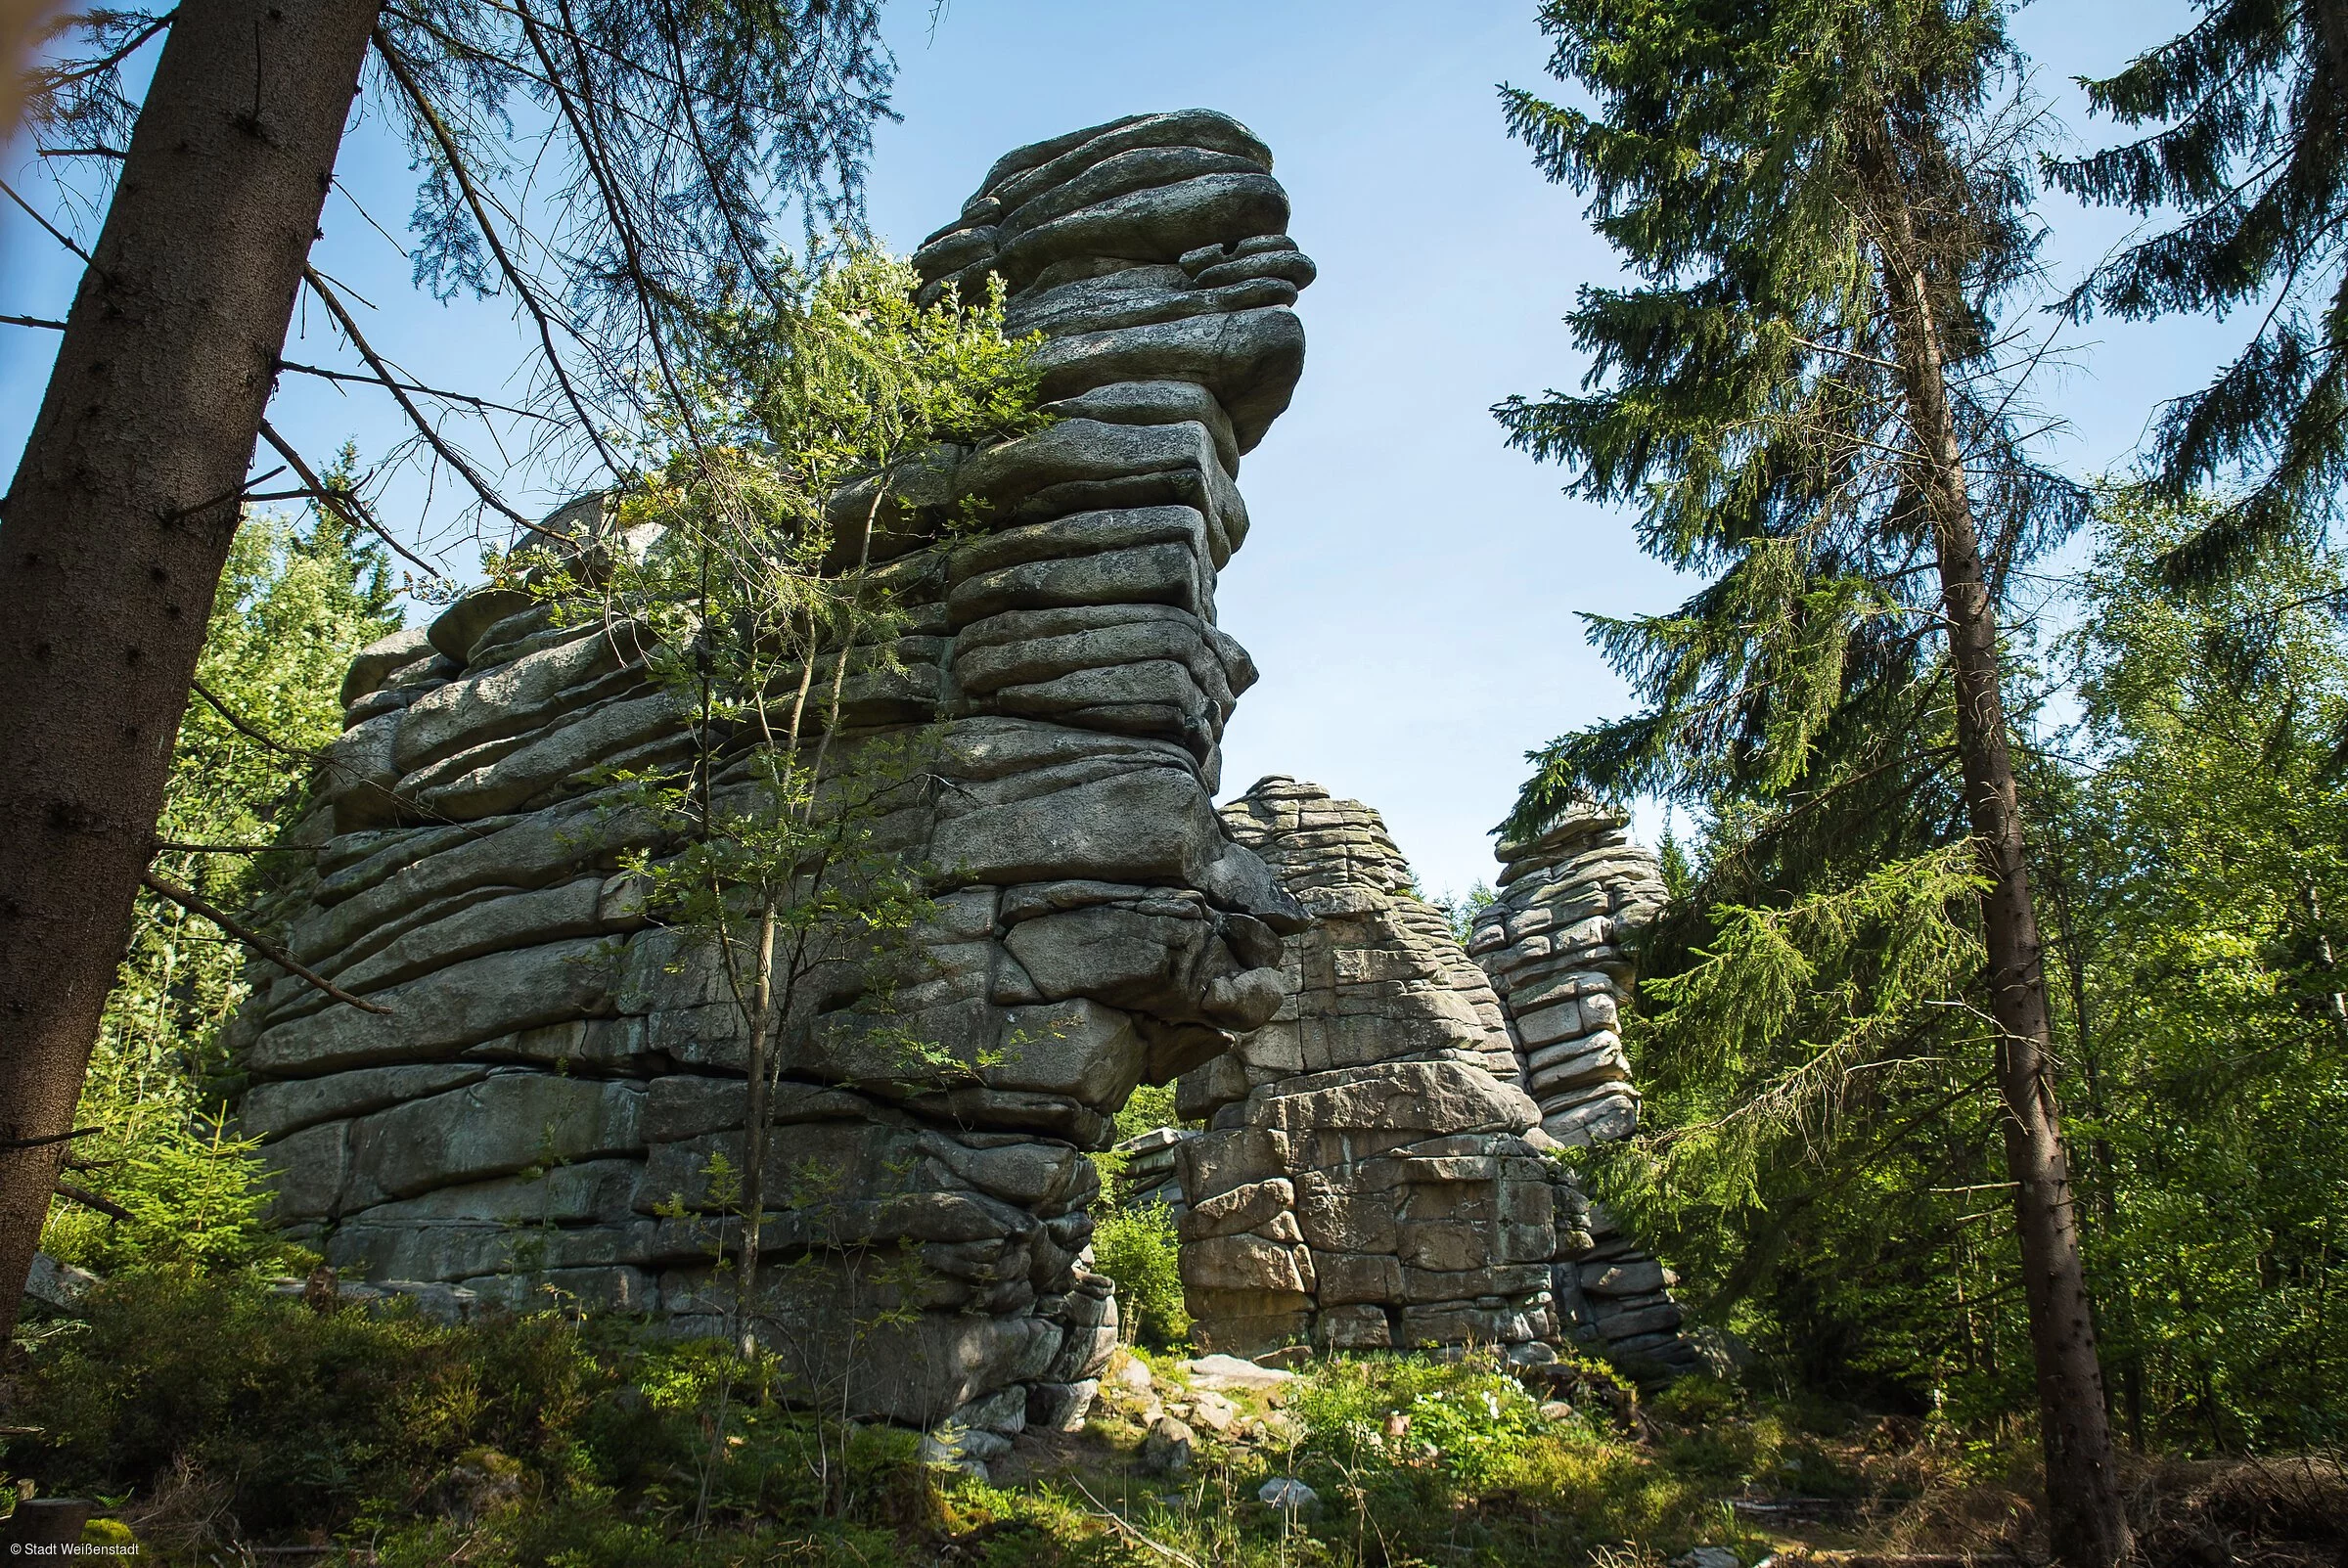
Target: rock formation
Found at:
1152, 1171
1372, 1172
1557, 942
543, 1100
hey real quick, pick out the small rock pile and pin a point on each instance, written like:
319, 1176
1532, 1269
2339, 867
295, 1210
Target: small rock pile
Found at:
1213, 1396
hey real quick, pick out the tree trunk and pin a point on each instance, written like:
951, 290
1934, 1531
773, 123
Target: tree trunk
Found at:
753, 1139
2086, 1525
115, 532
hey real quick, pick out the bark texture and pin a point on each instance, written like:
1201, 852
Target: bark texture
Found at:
115, 532
2087, 1526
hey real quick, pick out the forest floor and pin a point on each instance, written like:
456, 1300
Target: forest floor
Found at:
212, 1423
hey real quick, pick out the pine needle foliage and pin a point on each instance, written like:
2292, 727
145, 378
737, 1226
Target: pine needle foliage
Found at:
1769, 1027
2200, 859
1744, 395
2247, 112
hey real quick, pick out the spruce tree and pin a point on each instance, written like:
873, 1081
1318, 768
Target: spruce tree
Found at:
2255, 153
1805, 392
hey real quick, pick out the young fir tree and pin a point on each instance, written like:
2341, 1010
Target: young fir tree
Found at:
2255, 153
1824, 203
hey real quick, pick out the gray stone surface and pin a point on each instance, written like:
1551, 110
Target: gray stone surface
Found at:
1371, 1174
1558, 942
541, 1108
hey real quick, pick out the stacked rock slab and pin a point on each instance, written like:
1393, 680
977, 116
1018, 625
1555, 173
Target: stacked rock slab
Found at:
1152, 1173
1557, 942
1372, 1174
543, 1099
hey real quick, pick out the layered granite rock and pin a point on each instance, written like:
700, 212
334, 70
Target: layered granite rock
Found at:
1377, 977
1152, 1169
1372, 1174
547, 1097
1558, 942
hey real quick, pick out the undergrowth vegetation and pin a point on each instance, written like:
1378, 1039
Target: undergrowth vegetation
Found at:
214, 1413
212, 1417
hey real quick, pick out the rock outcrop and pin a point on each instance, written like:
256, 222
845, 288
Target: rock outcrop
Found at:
545, 1099
1372, 1174
1557, 944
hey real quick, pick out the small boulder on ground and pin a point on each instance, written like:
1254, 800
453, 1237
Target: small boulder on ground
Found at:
1131, 1374
1707, 1557
1223, 1373
1287, 1494
1166, 1451
1213, 1411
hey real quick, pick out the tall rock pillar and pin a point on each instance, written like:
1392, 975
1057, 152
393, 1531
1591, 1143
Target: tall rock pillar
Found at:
1558, 943
547, 1097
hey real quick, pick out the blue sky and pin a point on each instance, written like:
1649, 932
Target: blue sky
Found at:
1410, 587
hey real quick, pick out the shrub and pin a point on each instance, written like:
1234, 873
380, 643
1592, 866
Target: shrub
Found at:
1457, 1452
232, 1414
1137, 1247
195, 1199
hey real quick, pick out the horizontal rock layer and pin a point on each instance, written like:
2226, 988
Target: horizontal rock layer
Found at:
1371, 1173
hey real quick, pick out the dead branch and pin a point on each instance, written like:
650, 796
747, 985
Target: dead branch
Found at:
349, 506
55, 233
420, 102
246, 729
12, 1144
483, 403
91, 1200
1126, 1528
186, 898
448, 454
615, 208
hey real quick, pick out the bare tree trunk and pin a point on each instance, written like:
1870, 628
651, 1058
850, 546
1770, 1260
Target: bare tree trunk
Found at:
753, 1138
113, 535
2086, 1525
